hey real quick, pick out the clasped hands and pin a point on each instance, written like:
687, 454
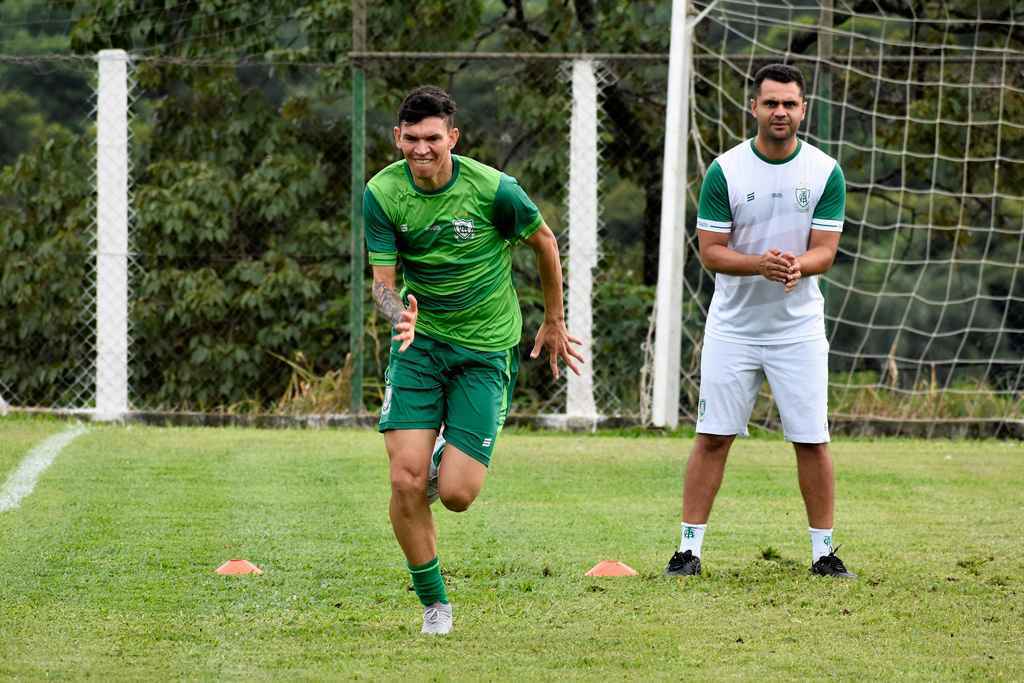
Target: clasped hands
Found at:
781, 267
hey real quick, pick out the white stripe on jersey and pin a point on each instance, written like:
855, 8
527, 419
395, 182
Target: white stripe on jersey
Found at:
822, 224
714, 226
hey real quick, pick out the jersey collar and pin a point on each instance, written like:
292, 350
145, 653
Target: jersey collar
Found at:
799, 145
445, 188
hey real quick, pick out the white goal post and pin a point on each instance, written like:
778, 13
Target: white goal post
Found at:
112, 218
920, 105
671, 255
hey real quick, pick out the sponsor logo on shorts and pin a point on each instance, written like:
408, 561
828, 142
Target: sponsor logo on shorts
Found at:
487, 443
386, 407
701, 409
463, 228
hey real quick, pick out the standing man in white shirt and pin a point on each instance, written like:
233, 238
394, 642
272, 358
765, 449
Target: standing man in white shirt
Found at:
769, 220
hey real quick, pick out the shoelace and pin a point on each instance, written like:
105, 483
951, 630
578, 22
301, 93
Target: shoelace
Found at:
833, 560
432, 615
680, 559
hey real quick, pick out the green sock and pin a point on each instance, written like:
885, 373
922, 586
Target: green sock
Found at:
426, 579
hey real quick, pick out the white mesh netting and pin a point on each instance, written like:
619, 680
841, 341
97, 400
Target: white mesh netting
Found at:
922, 106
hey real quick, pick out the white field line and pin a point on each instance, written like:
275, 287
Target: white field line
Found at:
23, 480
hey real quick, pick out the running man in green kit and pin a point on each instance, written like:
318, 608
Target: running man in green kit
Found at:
451, 222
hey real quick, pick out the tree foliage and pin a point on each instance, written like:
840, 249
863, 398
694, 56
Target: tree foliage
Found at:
37, 96
241, 157
44, 230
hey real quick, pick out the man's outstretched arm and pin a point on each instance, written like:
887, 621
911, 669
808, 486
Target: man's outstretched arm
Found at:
552, 334
389, 303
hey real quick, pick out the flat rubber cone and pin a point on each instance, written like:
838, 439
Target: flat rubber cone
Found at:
611, 568
233, 567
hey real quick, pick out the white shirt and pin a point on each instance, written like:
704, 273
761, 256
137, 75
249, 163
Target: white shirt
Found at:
764, 205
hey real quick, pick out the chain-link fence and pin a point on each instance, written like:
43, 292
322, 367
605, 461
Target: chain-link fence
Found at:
238, 180
48, 154
515, 114
237, 228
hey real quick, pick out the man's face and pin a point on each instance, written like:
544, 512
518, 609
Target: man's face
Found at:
426, 145
779, 109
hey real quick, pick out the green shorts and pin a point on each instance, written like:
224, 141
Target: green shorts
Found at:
434, 382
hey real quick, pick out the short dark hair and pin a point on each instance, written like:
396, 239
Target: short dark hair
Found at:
424, 102
780, 73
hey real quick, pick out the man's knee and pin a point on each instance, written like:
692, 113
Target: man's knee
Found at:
408, 483
457, 499
714, 444
811, 450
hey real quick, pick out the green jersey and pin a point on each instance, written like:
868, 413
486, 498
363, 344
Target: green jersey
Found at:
455, 247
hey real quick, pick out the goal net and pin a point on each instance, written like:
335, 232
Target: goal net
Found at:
921, 103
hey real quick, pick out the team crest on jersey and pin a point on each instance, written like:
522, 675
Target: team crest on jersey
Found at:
463, 228
803, 197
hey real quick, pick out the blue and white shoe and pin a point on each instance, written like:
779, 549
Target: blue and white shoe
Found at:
435, 467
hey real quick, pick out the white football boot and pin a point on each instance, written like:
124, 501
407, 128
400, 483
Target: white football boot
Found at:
437, 619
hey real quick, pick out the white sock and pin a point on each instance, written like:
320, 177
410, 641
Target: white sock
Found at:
439, 442
821, 543
692, 538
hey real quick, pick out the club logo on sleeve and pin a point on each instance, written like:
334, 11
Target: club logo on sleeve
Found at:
803, 198
463, 228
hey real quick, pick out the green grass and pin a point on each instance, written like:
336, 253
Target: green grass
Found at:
106, 570
18, 435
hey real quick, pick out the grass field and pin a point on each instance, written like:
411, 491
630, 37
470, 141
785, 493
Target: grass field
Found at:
106, 569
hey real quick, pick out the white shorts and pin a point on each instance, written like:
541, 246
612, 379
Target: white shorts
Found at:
731, 374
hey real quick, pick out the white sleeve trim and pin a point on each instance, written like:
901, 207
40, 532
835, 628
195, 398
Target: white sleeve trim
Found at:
714, 226
827, 225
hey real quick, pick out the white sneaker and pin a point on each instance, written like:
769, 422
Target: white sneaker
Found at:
435, 466
437, 619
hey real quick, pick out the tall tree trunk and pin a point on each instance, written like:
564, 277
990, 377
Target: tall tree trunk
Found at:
630, 150
652, 231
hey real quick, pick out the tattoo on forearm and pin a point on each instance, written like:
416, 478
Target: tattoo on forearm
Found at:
388, 302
